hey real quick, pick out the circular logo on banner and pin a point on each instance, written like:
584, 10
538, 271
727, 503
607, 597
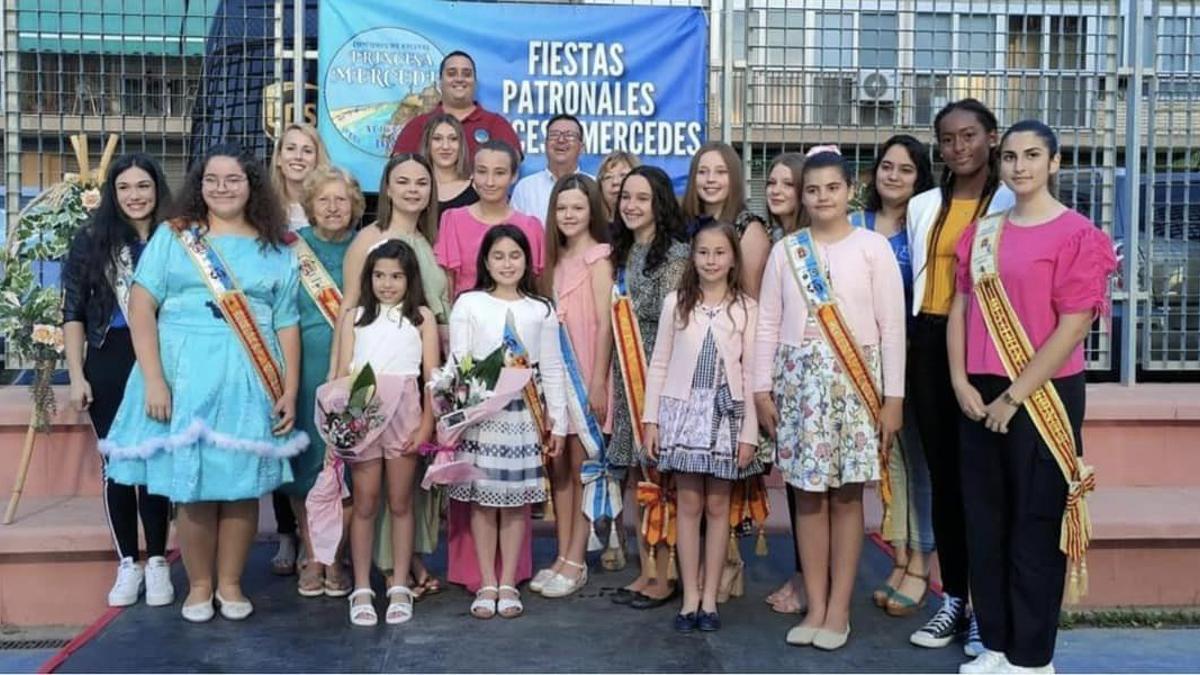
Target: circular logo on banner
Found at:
377, 81
481, 136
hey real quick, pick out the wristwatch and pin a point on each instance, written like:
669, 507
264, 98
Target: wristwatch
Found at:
1007, 398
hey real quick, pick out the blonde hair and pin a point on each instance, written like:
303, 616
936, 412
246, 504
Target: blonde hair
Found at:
322, 176
735, 203
612, 159
277, 179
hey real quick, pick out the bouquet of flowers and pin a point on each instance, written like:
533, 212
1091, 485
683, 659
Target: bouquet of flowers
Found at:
346, 421
465, 392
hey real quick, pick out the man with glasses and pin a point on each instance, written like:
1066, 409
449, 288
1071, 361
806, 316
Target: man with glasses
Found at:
564, 144
457, 87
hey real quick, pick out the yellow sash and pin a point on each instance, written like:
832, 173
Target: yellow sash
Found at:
317, 281
234, 306
1044, 405
816, 289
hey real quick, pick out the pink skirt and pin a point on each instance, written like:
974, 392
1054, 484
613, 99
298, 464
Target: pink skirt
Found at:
393, 425
463, 563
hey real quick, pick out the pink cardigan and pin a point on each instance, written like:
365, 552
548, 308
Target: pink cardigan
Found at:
870, 293
676, 351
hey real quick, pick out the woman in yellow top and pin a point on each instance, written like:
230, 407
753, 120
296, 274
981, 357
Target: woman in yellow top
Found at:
970, 187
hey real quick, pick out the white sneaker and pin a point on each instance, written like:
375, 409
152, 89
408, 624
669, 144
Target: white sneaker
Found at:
128, 586
1048, 668
159, 589
987, 662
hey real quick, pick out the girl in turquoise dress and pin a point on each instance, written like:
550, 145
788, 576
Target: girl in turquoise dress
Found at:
197, 423
333, 203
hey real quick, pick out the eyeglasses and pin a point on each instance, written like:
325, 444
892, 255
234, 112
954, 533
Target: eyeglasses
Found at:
228, 182
563, 136
613, 177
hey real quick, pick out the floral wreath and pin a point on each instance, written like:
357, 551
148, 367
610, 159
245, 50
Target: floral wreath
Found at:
31, 313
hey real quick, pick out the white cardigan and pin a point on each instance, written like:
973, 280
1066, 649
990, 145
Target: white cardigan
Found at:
922, 212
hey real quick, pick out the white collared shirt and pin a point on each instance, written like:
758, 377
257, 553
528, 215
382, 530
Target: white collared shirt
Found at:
532, 193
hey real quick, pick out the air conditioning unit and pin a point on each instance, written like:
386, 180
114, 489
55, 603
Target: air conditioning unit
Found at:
877, 86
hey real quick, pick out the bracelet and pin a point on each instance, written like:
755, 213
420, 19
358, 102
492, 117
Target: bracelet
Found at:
1007, 398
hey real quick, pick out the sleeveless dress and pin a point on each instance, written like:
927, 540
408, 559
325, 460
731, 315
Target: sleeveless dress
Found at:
218, 444
576, 304
316, 340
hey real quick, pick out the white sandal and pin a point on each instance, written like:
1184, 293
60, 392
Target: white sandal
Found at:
543, 577
399, 612
561, 585
509, 608
363, 614
484, 608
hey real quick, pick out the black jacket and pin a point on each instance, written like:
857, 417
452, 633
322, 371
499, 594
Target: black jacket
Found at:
91, 304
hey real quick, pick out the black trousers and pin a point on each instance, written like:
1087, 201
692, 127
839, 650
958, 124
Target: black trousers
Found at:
285, 517
107, 370
1014, 495
937, 423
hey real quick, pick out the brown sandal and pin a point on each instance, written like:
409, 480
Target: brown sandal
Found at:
312, 580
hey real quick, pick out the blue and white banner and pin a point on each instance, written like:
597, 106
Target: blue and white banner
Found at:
635, 76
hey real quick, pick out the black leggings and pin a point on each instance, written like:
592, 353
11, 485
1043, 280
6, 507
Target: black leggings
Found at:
107, 369
1014, 496
937, 423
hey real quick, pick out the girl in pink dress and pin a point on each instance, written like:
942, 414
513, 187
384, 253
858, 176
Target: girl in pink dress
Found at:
579, 277
457, 249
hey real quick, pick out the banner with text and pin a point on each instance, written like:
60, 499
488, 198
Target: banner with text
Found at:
635, 76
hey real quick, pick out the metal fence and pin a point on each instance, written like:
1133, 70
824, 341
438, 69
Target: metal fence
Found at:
1119, 80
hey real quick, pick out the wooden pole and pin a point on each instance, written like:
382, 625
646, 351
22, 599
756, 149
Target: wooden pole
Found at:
22, 471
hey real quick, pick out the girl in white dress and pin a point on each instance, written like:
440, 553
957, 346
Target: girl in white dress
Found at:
507, 447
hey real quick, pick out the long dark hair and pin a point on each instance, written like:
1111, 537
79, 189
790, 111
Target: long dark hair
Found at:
668, 220
554, 238
688, 293
920, 159
483, 278
987, 119
414, 292
109, 228
263, 211
427, 222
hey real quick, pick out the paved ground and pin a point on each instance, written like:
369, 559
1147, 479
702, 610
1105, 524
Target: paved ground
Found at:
580, 634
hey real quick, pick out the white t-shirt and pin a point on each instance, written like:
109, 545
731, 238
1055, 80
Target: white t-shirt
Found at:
477, 327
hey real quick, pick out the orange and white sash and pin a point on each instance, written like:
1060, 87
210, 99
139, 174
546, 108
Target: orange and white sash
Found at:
631, 353
317, 281
1044, 405
234, 305
814, 286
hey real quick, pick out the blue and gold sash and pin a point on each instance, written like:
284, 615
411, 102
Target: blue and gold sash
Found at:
234, 305
814, 286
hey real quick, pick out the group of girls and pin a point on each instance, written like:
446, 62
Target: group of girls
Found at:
674, 311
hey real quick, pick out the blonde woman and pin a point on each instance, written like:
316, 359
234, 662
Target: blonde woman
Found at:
298, 151
613, 169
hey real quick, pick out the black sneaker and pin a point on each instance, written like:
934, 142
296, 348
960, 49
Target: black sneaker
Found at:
949, 622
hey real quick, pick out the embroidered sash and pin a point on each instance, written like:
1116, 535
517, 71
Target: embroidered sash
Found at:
1044, 405
631, 354
234, 306
578, 407
317, 281
518, 357
814, 286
